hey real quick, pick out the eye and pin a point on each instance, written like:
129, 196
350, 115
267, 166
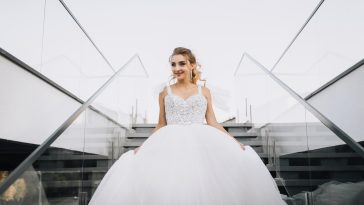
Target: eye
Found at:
182, 63
173, 64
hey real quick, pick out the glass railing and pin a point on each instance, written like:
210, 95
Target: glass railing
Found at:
70, 169
126, 99
329, 44
43, 35
324, 64
50, 68
67, 167
71, 159
311, 160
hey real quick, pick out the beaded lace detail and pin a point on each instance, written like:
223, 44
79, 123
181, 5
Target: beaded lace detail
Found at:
185, 111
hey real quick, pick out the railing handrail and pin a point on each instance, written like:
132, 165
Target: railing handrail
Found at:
88, 36
298, 33
47, 143
327, 122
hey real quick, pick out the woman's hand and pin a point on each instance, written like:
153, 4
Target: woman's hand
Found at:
136, 150
242, 146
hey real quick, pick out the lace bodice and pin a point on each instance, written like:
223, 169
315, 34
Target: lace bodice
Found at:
185, 111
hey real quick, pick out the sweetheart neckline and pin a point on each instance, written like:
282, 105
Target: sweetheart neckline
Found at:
185, 100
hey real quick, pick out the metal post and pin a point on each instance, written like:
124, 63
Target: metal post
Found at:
246, 108
251, 117
237, 119
308, 198
269, 154
136, 111
82, 198
112, 149
40, 188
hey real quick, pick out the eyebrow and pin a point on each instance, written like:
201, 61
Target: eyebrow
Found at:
179, 62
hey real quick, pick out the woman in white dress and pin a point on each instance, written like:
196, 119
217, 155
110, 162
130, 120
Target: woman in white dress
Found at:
186, 161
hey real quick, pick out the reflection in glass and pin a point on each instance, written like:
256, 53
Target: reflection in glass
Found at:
309, 162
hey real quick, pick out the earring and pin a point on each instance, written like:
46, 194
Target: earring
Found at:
191, 75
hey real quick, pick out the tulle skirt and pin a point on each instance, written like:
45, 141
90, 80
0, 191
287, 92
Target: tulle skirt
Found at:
191, 164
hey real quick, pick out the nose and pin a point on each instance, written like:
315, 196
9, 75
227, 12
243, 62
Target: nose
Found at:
177, 68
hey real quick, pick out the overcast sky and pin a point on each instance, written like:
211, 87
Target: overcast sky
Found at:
218, 32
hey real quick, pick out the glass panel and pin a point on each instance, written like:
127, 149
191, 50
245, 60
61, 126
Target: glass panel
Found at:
276, 115
70, 170
47, 39
309, 162
69, 58
331, 43
59, 169
61, 165
21, 29
30, 111
103, 146
336, 171
27, 189
125, 99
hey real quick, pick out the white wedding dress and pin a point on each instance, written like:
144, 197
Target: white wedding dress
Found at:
188, 163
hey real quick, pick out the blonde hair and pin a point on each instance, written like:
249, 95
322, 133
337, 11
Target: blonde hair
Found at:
196, 73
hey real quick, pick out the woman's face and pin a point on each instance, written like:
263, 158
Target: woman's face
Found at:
181, 67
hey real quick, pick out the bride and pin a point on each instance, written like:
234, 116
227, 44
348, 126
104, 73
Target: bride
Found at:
186, 161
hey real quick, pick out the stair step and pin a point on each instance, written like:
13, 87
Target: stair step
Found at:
139, 135
228, 124
317, 168
238, 125
72, 157
147, 128
137, 142
244, 134
235, 134
270, 168
73, 170
305, 182
257, 149
71, 183
320, 155
95, 183
131, 144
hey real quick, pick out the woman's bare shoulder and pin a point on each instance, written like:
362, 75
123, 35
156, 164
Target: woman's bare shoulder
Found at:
163, 92
205, 92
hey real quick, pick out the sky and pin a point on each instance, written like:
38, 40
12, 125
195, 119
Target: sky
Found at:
218, 32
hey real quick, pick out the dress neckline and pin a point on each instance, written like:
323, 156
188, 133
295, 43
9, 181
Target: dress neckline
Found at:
185, 99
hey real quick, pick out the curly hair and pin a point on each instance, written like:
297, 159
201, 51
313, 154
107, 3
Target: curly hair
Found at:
187, 53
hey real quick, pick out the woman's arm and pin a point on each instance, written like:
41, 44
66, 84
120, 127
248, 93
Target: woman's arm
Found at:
210, 115
162, 116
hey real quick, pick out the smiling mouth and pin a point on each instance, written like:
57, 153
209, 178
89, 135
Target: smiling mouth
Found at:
178, 73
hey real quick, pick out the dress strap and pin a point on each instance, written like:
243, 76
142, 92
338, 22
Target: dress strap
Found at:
168, 89
199, 89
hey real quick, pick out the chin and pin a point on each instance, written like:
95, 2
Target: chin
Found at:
180, 78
